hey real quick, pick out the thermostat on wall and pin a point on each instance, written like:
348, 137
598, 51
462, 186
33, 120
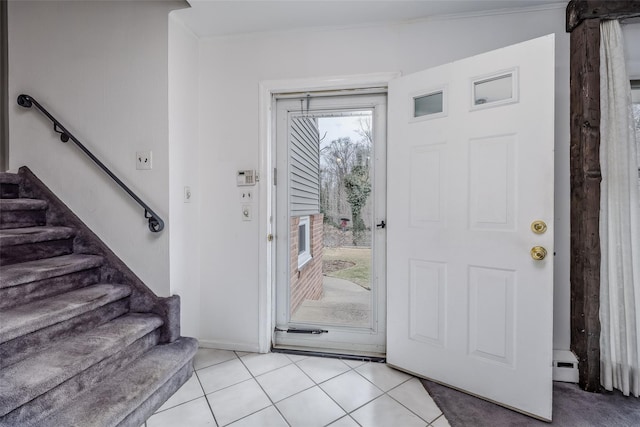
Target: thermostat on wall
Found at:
246, 177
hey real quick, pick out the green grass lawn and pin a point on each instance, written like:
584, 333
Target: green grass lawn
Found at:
360, 272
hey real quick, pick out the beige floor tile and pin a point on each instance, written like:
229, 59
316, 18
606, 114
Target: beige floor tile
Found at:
237, 401
382, 375
284, 382
385, 412
321, 368
310, 408
268, 417
223, 375
193, 414
441, 422
189, 391
259, 364
413, 395
208, 356
350, 390
345, 421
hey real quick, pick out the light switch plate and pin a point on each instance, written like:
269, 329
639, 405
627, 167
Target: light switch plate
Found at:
143, 160
246, 213
246, 196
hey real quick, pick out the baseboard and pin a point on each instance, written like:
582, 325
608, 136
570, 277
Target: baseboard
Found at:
565, 366
226, 345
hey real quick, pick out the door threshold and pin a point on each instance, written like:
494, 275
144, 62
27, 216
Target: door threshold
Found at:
334, 354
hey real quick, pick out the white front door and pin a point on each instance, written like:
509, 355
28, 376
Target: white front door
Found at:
470, 169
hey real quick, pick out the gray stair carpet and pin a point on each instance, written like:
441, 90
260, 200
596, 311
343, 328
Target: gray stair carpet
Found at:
23, 236
33, 243
11, 205
24, 319
132, 385
16, 213
32, 271
69, 357
76, 346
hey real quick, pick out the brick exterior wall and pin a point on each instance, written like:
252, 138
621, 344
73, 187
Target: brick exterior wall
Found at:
306, 283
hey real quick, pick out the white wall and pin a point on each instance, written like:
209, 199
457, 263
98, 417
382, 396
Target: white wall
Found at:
101, 69
104, 69
230, 72
183, 172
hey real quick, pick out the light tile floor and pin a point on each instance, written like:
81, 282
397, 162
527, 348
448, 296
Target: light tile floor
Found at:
271, 390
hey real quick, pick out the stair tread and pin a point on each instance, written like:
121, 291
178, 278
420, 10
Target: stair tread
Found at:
121, 394
29, 378
9, 178
22, 204
27, 318
31, 271
25, 235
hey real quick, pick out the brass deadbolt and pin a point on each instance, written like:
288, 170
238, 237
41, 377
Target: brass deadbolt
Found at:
538, 227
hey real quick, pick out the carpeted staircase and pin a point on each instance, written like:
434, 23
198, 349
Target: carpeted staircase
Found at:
83, 342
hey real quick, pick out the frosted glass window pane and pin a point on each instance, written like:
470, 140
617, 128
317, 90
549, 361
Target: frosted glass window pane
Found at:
428, 104
493, 89
302, 238
635, 92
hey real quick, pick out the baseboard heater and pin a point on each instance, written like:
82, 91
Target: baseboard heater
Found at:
565, 366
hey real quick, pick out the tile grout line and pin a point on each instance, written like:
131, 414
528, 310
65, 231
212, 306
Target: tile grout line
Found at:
384, 393
264, 391
348, 413
388, 395
204, 394
319, 385
351, 368
409, 409
186, 401
315, 384
441, 416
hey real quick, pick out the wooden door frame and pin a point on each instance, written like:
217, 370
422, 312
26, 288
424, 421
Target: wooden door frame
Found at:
583, 22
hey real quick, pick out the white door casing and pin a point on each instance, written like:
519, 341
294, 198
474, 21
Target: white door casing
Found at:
467, 304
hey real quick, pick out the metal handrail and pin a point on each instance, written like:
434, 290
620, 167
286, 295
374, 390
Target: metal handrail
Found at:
155, 222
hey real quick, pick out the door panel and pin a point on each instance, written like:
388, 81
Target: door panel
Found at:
467, 304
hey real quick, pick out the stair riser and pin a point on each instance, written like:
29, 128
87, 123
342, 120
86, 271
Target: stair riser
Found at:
157, 399
50, 371
33, 251
22, 347
22, 218
9, 190
34, 412
22, 294
131, 395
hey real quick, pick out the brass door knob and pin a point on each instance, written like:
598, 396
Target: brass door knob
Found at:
538, 253
538, 227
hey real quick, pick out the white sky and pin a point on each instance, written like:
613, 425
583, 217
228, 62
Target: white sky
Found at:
340, 127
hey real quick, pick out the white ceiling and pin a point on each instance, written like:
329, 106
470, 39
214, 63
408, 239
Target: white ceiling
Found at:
212, 18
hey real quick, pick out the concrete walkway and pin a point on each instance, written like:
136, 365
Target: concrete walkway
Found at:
343, 303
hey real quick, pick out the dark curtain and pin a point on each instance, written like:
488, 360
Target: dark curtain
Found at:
4, 88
